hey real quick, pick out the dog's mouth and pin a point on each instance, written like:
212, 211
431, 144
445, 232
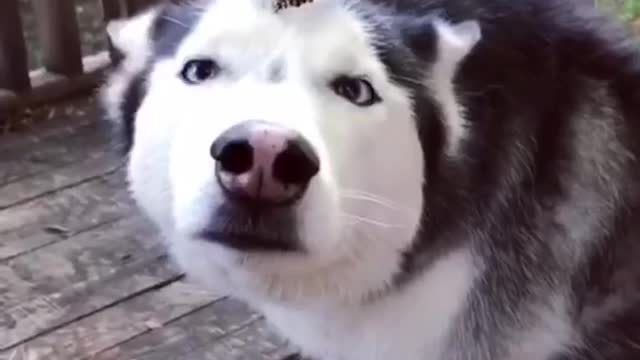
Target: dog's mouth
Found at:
251, 230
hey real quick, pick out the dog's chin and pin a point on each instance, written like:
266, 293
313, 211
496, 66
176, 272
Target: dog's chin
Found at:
252, 230
250, 242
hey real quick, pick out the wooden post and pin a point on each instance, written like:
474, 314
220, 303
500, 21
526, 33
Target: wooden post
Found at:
136, 6
112, 9
131, 7
14, 65
59, 36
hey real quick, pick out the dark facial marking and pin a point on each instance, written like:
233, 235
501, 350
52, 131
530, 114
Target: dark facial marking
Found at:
172, 25
131, 102
276, 72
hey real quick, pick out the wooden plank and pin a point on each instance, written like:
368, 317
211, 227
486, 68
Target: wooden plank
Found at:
34, 238
193, 331
89, 260
87, 257
59, 36
55, 217
92, 164
14, 67
222, 329
92, 168
74, 209
61, 119
88, 336
45, 314
255, 342
20, 163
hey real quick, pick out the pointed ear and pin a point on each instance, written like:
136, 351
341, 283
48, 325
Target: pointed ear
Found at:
455, 41
132, 35
432, 37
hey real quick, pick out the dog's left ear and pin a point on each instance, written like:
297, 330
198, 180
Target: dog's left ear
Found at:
132, 35
456, 41
443, 46
435, 37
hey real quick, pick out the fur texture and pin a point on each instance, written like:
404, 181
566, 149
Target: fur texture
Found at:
485, 208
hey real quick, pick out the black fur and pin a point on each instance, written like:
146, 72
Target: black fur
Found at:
132, 99
237, 226
538, 63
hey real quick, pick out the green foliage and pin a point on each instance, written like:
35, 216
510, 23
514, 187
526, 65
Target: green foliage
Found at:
631, 9
628, 10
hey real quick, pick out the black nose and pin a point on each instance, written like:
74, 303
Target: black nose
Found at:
264, 163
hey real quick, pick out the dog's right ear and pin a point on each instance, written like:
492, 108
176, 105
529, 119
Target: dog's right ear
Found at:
133, 35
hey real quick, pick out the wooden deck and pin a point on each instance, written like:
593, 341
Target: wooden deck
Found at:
83, 276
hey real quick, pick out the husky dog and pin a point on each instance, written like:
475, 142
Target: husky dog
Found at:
395, 179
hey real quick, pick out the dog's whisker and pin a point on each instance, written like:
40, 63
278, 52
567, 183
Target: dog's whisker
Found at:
377, 200
365, 195
373, 200
175, 21
374, 222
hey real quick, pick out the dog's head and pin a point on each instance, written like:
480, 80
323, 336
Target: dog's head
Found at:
283, 152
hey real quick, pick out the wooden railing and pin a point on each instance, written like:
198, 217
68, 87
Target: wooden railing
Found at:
64, 70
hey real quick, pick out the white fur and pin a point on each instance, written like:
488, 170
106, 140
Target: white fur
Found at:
550, 333
358, 214
455, 42
392, 328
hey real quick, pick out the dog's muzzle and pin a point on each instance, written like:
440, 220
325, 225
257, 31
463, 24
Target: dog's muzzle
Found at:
263, 169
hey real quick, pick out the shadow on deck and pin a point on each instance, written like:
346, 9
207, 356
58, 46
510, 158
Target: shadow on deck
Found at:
83, 276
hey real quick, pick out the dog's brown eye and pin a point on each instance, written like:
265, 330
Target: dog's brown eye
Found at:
199, 70
358, 91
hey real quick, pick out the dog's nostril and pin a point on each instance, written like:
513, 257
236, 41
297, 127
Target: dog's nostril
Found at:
297, 164
235, 156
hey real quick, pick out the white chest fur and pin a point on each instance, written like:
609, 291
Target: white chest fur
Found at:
410, 325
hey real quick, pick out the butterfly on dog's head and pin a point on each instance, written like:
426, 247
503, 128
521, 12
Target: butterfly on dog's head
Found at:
284, 4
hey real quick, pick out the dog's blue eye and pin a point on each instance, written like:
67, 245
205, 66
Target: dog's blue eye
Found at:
358, 91
199, 70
